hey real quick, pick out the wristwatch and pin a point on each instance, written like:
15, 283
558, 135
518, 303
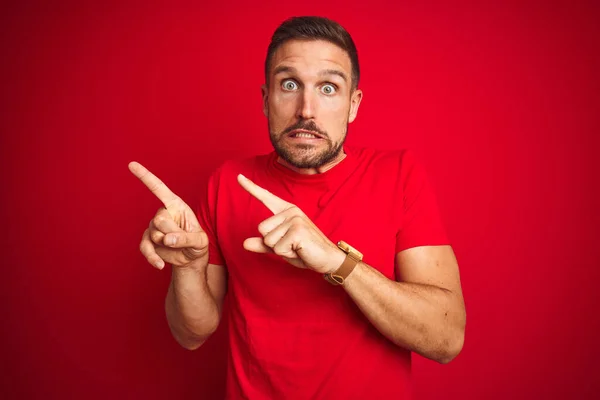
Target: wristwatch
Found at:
353, 257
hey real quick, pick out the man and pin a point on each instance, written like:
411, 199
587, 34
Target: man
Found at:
272, 227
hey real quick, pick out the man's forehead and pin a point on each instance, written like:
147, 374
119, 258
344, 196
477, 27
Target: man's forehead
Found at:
316, 53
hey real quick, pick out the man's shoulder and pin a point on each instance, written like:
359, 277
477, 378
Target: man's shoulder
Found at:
389, 158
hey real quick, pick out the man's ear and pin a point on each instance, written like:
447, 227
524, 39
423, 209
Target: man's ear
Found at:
265, 97
354, 104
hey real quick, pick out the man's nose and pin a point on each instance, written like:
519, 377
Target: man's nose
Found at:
306, 108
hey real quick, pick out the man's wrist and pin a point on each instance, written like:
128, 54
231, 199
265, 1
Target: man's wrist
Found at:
336, 260
352, 258
194, 267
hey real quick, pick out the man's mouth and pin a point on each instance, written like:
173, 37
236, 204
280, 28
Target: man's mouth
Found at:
301, 133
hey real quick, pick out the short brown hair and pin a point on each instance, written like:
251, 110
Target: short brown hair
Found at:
314, 28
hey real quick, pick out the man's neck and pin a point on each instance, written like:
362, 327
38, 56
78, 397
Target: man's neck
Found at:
313, 171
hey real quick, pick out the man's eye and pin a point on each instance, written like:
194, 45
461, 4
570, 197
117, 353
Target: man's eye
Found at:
328, 89
289, 85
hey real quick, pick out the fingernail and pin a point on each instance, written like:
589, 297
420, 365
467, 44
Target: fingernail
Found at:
160, 264
171, 240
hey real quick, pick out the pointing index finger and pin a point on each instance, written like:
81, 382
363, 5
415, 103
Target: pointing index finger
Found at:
156, 186
272, 202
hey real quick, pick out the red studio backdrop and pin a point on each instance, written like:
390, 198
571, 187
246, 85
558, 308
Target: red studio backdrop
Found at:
499, 101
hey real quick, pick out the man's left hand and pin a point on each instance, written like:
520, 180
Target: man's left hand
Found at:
290, 234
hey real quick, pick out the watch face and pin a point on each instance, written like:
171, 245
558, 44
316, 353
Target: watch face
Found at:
350, 250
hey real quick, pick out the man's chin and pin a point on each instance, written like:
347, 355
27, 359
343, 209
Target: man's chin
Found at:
301, 162
305, 158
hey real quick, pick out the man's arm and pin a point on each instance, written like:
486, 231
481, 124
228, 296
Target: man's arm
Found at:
195, 296
194, 302
425, 311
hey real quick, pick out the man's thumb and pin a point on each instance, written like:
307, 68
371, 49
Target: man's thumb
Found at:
195, 241
256, 245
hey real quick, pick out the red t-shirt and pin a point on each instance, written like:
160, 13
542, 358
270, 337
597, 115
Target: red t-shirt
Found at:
292, 335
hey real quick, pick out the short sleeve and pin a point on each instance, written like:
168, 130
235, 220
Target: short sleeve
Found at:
207, 216
421, 222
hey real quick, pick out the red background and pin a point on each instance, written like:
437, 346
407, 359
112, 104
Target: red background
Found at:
500, 102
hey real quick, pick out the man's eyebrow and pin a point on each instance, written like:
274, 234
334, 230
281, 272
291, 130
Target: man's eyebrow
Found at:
334, 72
283, 68
287, 69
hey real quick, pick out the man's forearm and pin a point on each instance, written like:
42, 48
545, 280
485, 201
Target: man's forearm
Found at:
192, 312
425, 319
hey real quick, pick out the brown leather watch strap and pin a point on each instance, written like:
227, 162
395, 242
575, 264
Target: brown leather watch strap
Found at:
338, 277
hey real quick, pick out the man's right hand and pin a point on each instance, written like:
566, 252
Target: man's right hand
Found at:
174, 235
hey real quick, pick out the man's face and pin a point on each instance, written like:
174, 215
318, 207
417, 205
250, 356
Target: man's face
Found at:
309, 101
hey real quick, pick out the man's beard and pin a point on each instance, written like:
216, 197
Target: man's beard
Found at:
304, 155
